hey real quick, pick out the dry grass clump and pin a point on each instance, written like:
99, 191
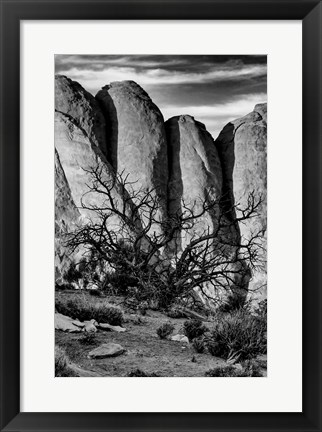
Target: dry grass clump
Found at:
238, 336
248, 370
194, 328
85, 308
165, 330
88, 338
62, 362
199, 345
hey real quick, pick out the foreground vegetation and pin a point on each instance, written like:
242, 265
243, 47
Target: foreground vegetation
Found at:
157, 268
224, 344
85, 308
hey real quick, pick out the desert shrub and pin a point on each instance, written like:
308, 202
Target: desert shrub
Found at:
62, 368
72, 274
231, 371
214, 348
199, 345
233, 303
142, 307
261, 363
88, 338
194, 328
165, 330
85, 308
141, 373
252, 368
238, 336
120, 281
260, 312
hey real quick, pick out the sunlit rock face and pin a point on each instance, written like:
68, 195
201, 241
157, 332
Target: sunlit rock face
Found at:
195, 174
79, 150
195, 178
78, 155
66, 216
72, 100
242, 147
136, 138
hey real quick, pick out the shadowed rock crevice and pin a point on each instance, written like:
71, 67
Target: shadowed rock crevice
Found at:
138, 139
242, 147
195, 171
175, 184
110, 114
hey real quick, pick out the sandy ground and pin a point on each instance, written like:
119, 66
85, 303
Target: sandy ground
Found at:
144, 349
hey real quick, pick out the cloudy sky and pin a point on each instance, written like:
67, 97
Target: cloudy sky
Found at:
213, 89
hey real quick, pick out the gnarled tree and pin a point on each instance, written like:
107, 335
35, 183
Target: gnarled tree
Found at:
131, 240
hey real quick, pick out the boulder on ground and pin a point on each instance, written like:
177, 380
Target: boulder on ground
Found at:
64, 323
180, 338
90, 326
106, 350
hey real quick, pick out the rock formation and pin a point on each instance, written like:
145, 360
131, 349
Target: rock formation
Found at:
195, 174
195, 177
82, 109
78, 150
77, 155
242, 147
136, 137
66, 216
122, 130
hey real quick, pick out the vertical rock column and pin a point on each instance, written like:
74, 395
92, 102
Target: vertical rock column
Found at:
195, 177
136, 139
80, 143
194, 172
242, 147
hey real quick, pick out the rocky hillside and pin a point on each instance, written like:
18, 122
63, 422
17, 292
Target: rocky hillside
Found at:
124, 131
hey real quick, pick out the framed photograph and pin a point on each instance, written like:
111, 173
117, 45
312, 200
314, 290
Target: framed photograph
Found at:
160, 215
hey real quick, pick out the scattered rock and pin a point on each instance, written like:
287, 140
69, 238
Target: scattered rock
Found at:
79, 324
106, 350
180, 338
64, 323
117, 329
90, 326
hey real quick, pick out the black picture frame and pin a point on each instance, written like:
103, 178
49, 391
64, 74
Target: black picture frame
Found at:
12, 12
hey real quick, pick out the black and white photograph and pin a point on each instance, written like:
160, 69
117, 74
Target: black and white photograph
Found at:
160, 215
